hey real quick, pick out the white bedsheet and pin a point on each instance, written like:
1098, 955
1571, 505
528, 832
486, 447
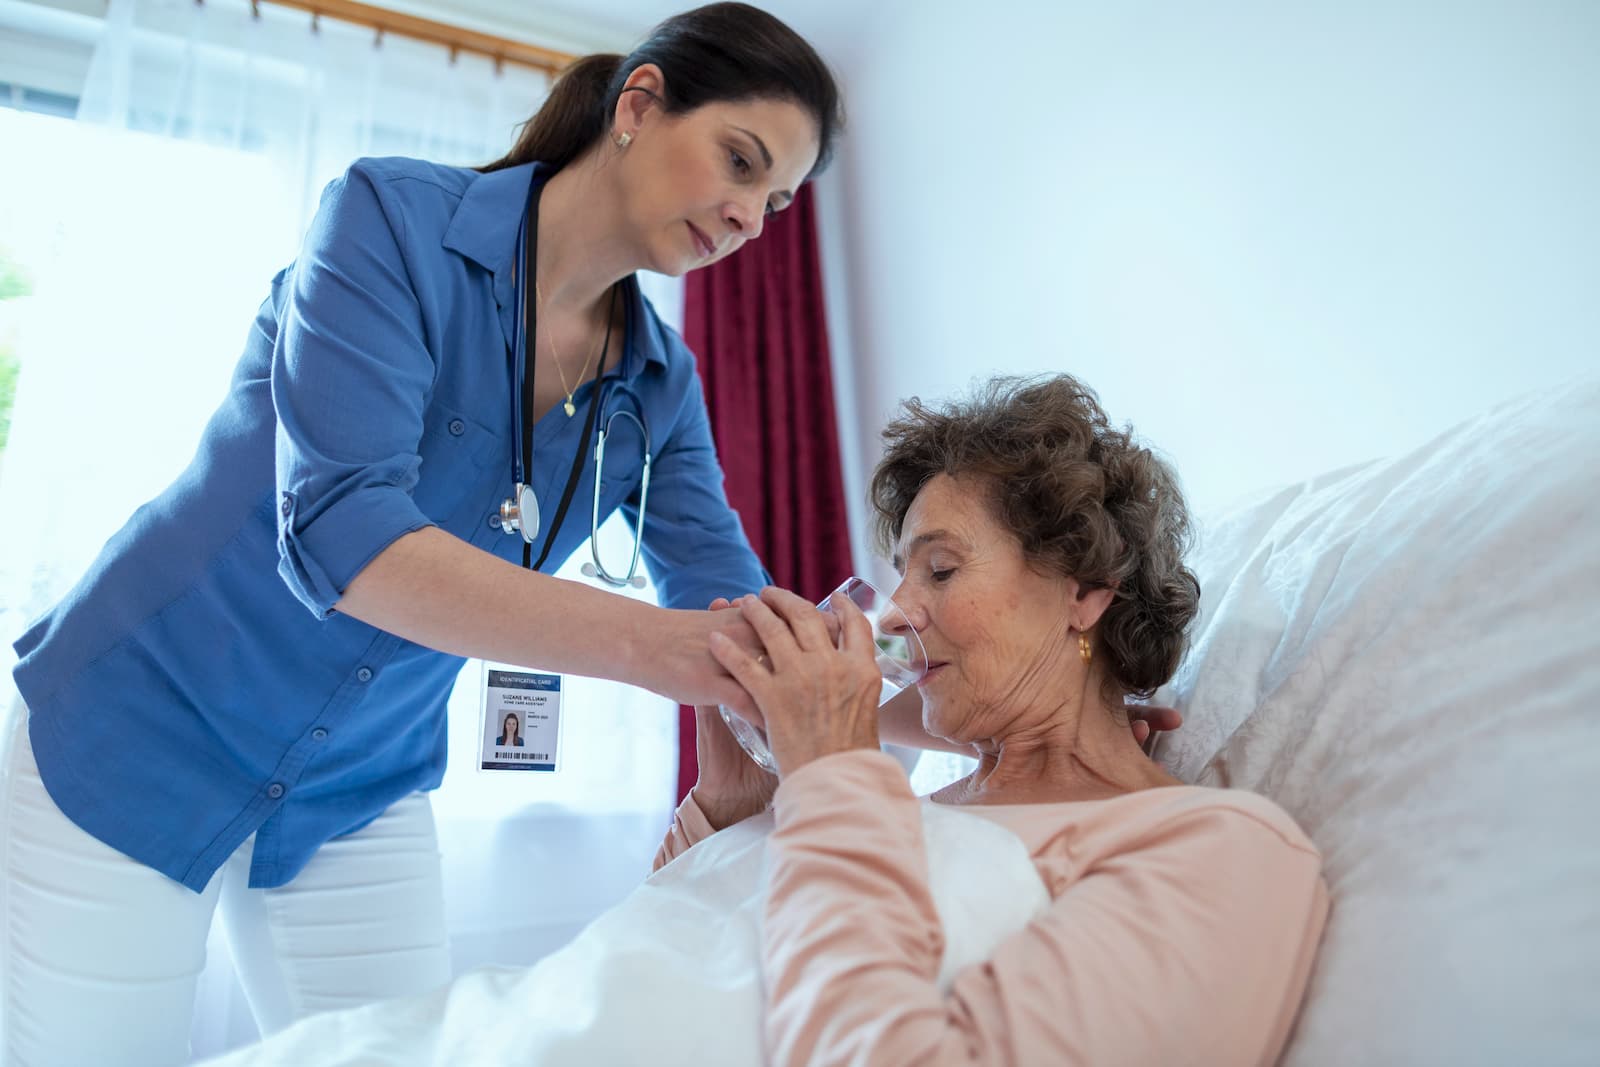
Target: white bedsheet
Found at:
669, 976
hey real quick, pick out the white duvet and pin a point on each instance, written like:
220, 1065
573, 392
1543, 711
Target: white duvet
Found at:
669, 976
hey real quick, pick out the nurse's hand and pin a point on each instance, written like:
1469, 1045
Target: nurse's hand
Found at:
1148, 719
678, 663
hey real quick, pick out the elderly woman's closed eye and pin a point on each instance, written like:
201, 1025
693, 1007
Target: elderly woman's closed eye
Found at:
1040, 552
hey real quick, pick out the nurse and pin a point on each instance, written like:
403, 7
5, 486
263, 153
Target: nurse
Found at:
265, 650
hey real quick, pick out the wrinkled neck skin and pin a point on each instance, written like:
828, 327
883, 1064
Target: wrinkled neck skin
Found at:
1061, 742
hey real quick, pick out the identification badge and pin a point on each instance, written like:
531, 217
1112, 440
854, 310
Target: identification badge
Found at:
520, 723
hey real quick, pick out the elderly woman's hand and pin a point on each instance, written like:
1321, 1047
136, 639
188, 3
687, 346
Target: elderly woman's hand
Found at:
817, 698
731, 787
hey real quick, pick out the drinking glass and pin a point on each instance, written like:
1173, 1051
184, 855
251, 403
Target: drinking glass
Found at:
901, 660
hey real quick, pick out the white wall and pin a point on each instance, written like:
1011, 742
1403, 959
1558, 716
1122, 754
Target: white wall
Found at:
1277, 239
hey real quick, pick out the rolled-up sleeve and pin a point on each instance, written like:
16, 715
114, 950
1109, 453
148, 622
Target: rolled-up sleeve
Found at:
689, 827
693, 543
351, 372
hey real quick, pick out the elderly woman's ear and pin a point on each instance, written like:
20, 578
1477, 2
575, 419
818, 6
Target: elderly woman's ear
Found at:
1089, 604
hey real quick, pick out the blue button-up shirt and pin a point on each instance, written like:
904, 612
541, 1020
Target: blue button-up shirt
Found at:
201, 651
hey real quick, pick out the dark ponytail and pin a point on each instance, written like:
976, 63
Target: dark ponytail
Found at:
724, 52
571, 119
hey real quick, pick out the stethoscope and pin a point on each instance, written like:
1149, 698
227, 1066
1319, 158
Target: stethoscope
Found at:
519, 513
597, 569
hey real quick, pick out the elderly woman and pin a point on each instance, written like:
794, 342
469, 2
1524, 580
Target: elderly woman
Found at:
1040, 550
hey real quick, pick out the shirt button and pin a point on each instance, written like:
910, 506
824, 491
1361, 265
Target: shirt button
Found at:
494, 519
275, 790
457, 427
364, 674
319, 734
288, 505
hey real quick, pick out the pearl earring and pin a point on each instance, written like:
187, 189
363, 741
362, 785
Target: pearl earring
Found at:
624, 140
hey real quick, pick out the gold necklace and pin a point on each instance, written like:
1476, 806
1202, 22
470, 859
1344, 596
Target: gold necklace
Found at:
567, 405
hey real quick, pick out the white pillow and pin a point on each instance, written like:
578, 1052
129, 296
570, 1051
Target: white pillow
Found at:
1404, 656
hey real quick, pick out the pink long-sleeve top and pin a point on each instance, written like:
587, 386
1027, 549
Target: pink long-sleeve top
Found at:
1182, 926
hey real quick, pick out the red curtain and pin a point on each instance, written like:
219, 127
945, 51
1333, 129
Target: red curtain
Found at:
757, 323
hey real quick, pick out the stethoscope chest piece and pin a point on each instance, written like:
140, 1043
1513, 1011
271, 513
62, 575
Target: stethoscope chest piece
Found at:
521, 513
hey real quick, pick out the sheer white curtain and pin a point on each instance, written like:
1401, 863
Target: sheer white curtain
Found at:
150, 228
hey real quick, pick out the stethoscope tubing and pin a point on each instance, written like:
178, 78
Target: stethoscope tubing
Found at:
520, 514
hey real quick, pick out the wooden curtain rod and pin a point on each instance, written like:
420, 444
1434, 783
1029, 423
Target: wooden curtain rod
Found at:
455, 38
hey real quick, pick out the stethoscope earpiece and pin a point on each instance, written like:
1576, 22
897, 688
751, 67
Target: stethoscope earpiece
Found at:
590, 571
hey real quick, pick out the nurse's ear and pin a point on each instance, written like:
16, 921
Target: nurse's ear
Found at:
643, 93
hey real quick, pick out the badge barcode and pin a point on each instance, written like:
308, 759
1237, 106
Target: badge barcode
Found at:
539, 755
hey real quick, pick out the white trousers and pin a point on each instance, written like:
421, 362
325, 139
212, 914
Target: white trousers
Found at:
102, 955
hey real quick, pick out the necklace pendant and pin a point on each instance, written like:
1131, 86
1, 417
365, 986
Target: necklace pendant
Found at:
567, 406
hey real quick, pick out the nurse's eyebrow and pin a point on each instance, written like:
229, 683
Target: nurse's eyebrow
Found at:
766, 157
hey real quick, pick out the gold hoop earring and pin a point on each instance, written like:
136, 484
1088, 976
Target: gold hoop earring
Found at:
624, 140
1085, 649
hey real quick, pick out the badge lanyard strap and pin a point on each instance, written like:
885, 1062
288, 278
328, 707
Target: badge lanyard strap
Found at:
522, 330
522, 333
576, 473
